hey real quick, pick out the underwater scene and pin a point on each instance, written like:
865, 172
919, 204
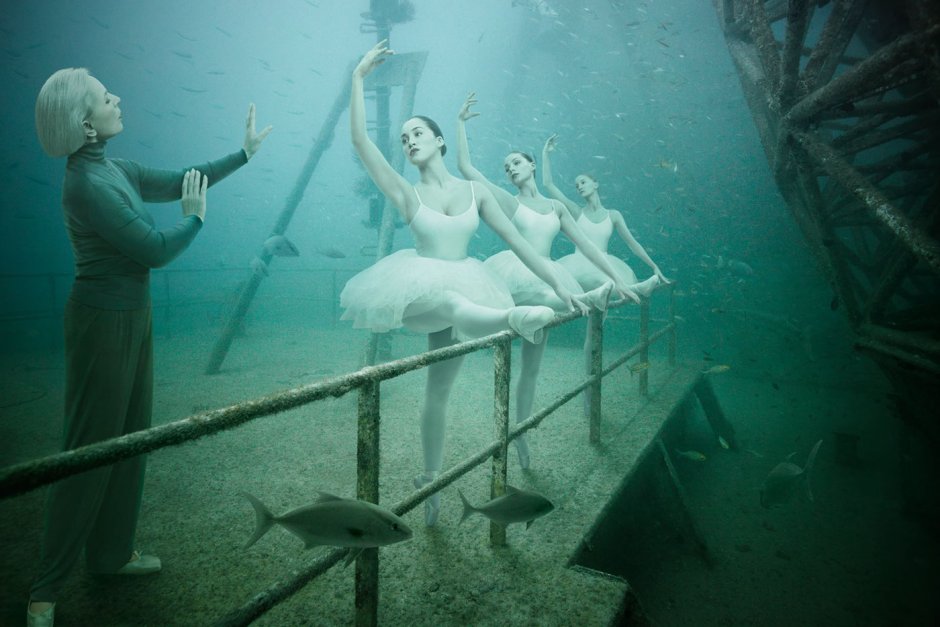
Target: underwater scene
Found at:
222, 219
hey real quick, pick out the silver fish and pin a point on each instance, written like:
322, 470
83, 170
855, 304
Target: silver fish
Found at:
280, 246
785, 477
514, 506
332, 252
334, 521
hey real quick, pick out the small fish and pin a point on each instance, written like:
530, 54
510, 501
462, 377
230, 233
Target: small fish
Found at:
668, 165
717, 369
723, 442
331, 251
695, 456
334, 521
735, 266
514, 506
639, 367
280, 246
260, 267
783, 480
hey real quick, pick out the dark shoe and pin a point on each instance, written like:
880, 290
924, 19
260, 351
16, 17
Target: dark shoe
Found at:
138, 565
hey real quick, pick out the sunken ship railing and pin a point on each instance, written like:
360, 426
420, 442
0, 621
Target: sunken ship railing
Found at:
845, 96
24, 477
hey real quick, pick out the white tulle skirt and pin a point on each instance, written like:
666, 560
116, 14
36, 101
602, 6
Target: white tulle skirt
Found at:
377, 297
524, 285
590, 276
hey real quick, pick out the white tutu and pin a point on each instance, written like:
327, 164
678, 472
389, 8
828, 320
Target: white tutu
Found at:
590, 276
377, 297
524, 285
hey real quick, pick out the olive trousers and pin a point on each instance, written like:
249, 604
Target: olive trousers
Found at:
108, 393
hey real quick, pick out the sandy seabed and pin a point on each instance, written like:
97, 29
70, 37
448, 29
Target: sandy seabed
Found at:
851, 557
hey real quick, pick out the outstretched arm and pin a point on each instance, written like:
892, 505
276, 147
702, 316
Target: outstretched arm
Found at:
495, 218
594, 254
392, 184
506, 201
549, 182
634, 245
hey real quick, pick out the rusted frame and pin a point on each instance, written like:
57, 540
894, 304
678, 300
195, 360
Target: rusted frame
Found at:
921, 245
888, 68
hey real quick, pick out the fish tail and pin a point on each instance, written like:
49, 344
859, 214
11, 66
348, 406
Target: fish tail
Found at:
263, 518
468, 509
809, 466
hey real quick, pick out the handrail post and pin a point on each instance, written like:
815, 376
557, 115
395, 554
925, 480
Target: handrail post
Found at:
367, 489
644, 342
673, 334
502, 354
596, 333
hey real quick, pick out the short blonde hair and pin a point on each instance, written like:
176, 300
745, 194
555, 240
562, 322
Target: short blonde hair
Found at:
63, 105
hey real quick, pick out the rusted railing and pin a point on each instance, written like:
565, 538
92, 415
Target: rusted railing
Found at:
21, 478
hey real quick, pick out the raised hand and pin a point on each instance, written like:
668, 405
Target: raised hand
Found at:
252, 139
465, 112
550, 143
194, 194
375, 57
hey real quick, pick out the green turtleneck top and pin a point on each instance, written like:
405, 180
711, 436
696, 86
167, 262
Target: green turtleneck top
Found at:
113, 236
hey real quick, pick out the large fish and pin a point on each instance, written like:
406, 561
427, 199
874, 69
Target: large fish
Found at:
786, 476
514, 506
334, 521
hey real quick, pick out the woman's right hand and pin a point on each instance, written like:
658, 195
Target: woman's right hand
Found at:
194, 194
373, 58
465, 112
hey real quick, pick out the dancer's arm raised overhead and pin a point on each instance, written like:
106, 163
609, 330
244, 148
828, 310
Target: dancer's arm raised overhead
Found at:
395, 187
548, 181
507, 202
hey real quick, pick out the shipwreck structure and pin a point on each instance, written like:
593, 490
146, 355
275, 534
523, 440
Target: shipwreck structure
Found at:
844, 95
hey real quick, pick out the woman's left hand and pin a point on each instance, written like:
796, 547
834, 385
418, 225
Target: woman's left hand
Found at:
625, 292
662, 277
574, 302
252, 139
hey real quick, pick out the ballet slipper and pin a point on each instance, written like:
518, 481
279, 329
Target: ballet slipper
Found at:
528, 321
599, 297
432, 505
647, 287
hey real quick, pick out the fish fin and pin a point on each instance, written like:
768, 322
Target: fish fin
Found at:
809, 466
326, 497
354, 532
512, 490
351, 556
263, 518
468, 509
529, 524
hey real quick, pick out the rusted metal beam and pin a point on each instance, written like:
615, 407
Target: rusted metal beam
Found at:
757, 24
502, 354
367, 489
887, 68
798, 17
